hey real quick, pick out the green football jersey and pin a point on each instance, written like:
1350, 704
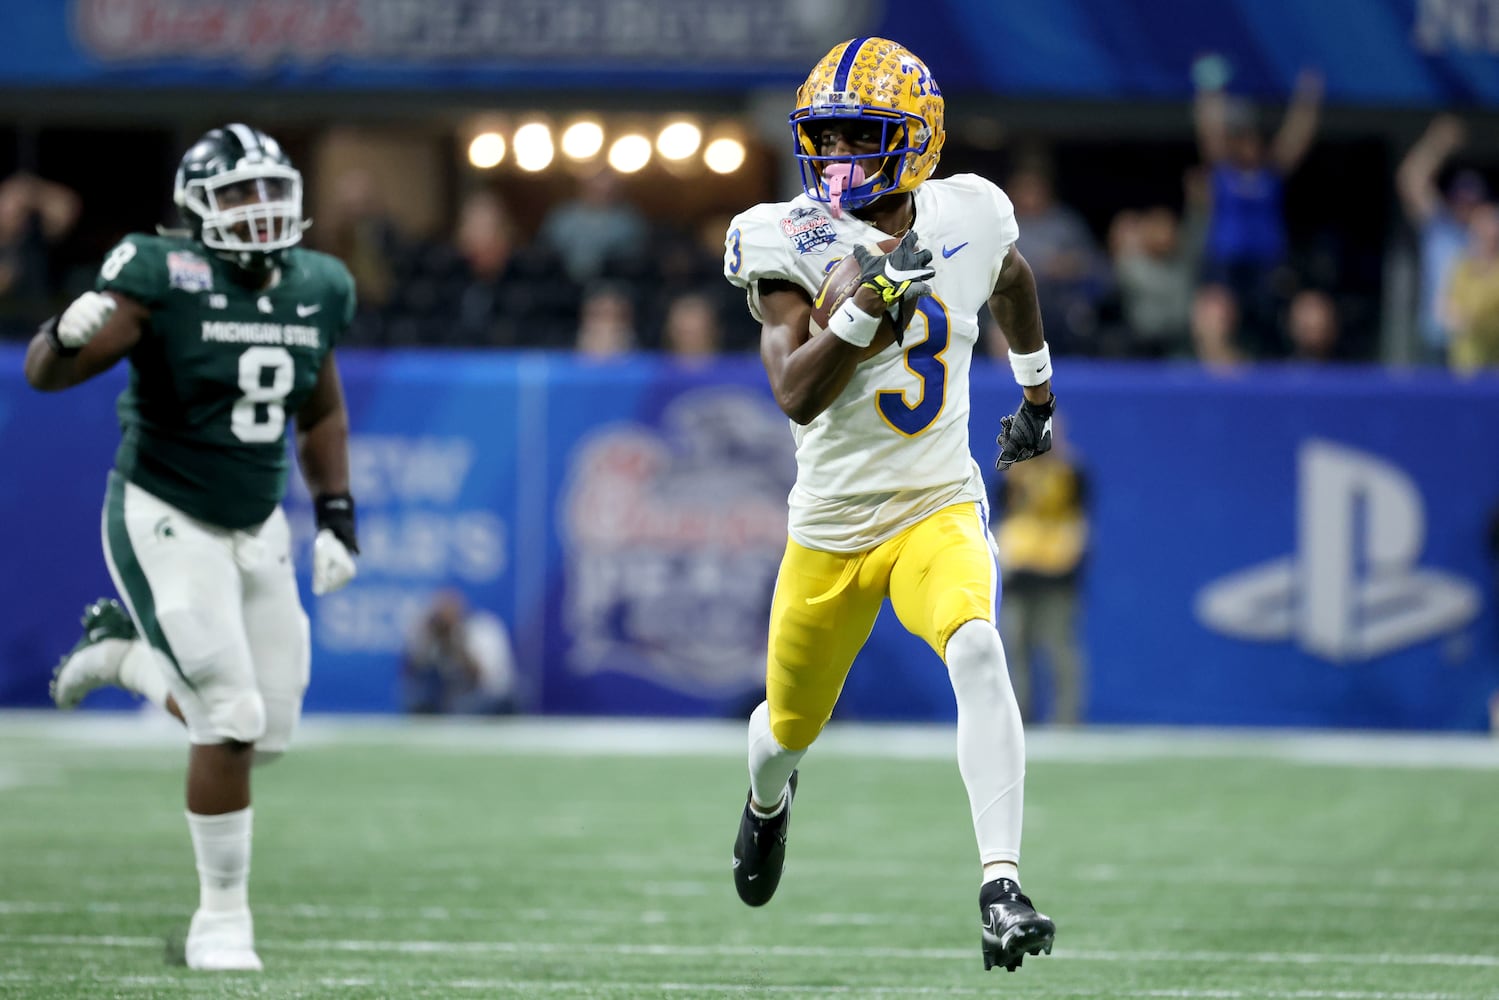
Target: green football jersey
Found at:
218, 372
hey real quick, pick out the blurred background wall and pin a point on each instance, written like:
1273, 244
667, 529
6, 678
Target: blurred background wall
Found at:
561, 427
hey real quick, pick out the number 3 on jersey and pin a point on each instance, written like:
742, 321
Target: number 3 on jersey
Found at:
258, 416
924, 360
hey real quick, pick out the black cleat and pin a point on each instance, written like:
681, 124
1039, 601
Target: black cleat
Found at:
1012, 928
760, 851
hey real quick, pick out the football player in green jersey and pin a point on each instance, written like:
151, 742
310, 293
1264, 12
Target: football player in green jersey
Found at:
229, 328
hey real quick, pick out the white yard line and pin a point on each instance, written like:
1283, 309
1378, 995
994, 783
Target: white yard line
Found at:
535, 986
85, 732
27, 776
784, 951
1312, 906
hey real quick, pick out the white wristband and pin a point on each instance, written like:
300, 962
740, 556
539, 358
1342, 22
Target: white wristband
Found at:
854, 325
1033, 368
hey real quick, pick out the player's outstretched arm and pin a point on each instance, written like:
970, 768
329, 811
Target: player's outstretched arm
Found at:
323, 453
1016, 307
89, 338
806, 373
1017, 310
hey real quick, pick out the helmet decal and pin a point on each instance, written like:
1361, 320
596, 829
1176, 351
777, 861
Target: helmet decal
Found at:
882, 83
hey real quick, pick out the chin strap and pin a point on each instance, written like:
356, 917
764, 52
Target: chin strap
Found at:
841, 177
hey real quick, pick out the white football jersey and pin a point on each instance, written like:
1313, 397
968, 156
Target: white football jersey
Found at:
893, 447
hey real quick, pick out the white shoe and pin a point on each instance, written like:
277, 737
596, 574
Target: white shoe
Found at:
95, 661
222, 941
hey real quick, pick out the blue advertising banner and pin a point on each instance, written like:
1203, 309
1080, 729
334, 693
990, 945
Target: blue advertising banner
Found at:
435, 466
1405, 52
1278, 546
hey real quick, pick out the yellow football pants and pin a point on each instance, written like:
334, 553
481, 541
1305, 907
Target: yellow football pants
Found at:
939, 573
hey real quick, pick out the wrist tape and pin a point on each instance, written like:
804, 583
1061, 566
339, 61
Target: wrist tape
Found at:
49, 330
1032, 369
853, 325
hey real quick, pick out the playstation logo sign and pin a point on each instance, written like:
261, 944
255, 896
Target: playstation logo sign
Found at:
1352, 590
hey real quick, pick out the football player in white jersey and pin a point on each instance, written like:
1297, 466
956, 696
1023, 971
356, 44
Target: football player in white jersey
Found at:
888, 500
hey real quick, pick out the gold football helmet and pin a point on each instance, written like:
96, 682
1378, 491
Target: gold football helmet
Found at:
880, 82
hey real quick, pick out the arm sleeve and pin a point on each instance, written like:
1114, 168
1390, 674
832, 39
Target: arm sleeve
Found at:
982, 201
1006, 230
754, 249
134, 268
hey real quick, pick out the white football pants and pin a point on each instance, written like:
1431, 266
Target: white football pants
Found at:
221, 607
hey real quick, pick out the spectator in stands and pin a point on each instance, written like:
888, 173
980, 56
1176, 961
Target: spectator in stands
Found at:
1042, 532
359, 231
1440, 218
1071, 274
486, 245
494, 291
1247, 246
1473, 295
606, 326
356, 228
1215, 328
593, 227
1314, 329
458, 661
1156, 261
35, 215
691, 333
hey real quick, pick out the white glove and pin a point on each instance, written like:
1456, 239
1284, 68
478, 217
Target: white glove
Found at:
84, 318
332, 564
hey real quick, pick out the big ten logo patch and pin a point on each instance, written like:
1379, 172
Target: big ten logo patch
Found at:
672, 535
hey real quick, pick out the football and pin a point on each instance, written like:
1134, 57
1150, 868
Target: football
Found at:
837, 286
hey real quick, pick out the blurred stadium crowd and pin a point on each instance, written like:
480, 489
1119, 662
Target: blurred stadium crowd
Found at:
1223, 250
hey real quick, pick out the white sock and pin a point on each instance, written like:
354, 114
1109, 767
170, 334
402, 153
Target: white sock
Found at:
141, 672
996, 870
222, 846
770, 764
991, 741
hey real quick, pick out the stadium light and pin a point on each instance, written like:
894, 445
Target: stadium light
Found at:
629, 153
582, 140
724, 156
486, 150
533, 146
679, 140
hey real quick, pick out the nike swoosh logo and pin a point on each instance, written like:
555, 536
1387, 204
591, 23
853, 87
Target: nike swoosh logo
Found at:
750, 878
948, 253
305, 311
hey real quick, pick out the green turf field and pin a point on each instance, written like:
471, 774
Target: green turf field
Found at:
563, 861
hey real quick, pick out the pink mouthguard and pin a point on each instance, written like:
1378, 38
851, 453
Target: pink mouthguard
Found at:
841, 177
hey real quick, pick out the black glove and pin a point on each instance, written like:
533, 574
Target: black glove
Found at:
335, 511
898, 277
1026, 433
